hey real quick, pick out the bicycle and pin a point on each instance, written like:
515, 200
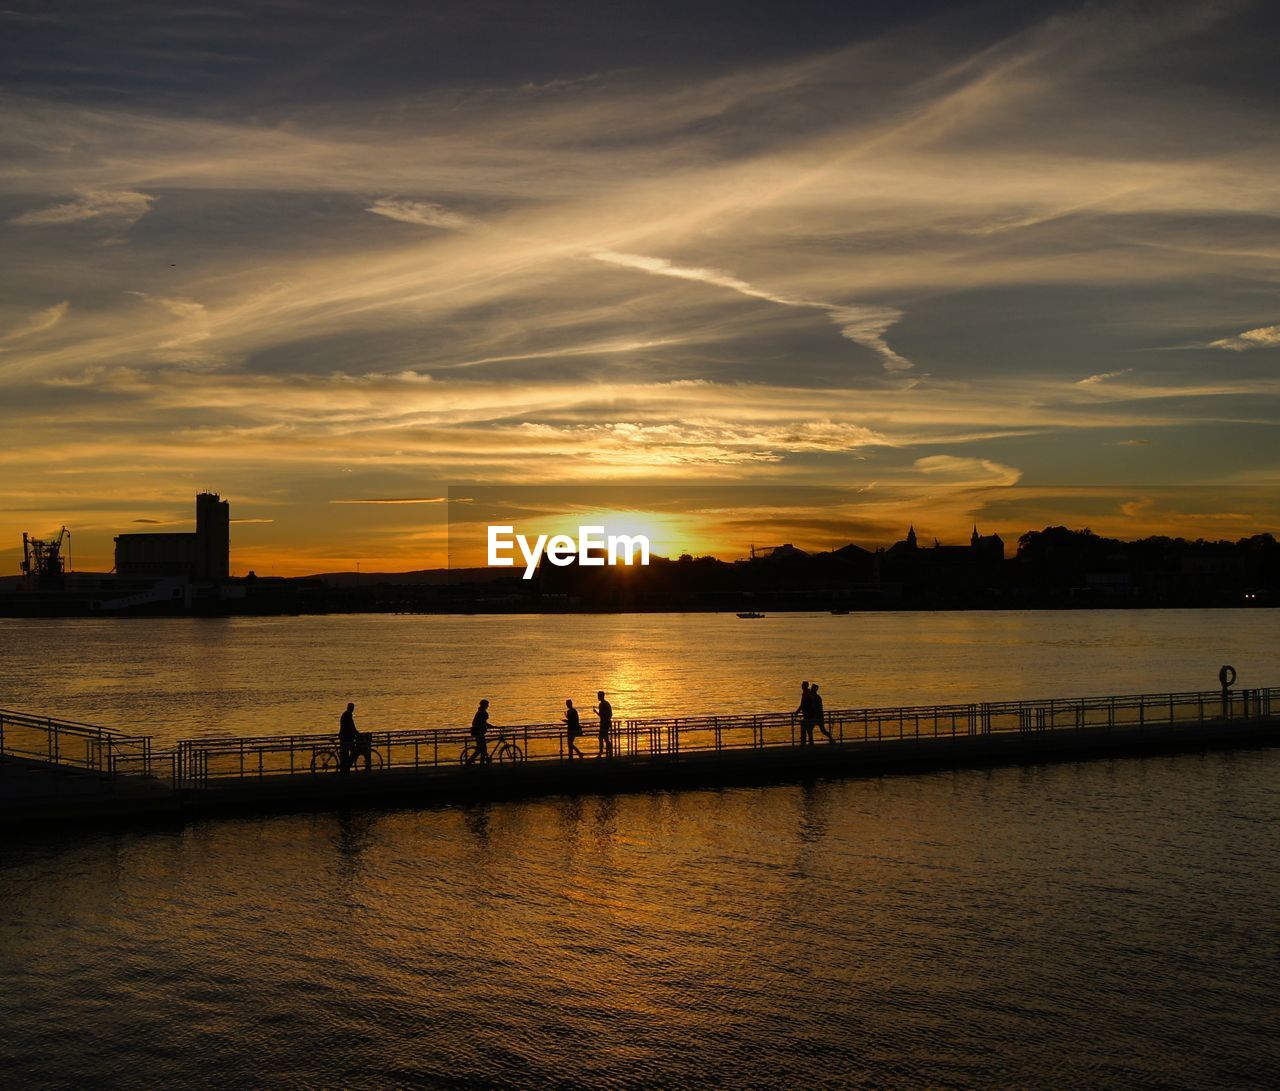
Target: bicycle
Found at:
328, 759
505, 751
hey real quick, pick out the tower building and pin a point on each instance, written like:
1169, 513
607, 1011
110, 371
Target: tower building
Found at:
204, 555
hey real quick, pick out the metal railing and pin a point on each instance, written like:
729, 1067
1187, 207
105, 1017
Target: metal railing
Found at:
654, 736
200, 762
75, 745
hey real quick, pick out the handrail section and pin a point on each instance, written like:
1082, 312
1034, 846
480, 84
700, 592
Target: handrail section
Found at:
88, 747
198, 762
194, 763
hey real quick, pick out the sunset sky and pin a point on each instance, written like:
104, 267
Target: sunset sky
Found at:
1008, 263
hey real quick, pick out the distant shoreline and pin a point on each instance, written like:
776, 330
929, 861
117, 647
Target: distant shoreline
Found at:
543, 611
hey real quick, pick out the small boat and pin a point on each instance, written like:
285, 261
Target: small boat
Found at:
750, 613
839, 613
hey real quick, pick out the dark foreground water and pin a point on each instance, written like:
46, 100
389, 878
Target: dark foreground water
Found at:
1104, 924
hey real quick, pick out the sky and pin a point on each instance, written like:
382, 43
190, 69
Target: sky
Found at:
1004, 263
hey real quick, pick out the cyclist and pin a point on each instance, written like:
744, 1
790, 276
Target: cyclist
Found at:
479, 726
348, 739
352, 744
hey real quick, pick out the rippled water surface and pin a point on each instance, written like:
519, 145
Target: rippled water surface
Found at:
1111, 923
1103, 924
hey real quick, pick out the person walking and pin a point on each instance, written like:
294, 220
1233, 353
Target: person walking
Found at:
479, 729
574, 729
604, 710
348, 737
805, 712
819, 714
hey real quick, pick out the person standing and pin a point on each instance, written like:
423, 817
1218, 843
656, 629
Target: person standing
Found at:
604, 710
574, 729
479, 729
819, 714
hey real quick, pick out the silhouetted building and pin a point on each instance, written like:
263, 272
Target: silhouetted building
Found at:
204, 555
945, 569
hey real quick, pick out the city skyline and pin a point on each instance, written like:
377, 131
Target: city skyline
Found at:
1017, 260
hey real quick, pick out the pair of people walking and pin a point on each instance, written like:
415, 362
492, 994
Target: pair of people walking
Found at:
811, 714
573, 728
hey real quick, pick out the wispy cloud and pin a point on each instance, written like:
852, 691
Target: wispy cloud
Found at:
37, 323
1094, 380
961, 470
122, 205
396, 500
423, 213
861, 323
1261, 338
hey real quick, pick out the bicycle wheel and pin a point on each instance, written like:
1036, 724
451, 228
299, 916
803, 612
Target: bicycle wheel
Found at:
467, 750
376, 760
324, 761
509, 753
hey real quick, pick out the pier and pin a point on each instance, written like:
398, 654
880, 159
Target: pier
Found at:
60, 770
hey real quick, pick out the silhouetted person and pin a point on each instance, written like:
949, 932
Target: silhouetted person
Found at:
805, 712
605, 711
479, 728
819, 714
574, 729
348, 738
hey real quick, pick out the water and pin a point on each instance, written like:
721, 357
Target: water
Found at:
1111, 923
187, 677
1107, 924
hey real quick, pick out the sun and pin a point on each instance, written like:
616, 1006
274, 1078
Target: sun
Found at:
669, 535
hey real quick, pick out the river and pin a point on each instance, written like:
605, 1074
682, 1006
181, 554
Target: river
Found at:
210, 676
1108, 923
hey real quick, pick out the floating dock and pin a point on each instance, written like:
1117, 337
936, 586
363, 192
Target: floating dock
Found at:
60, 771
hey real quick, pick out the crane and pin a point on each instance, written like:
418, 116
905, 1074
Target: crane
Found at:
43, 558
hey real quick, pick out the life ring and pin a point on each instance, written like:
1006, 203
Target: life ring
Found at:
1227, 676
